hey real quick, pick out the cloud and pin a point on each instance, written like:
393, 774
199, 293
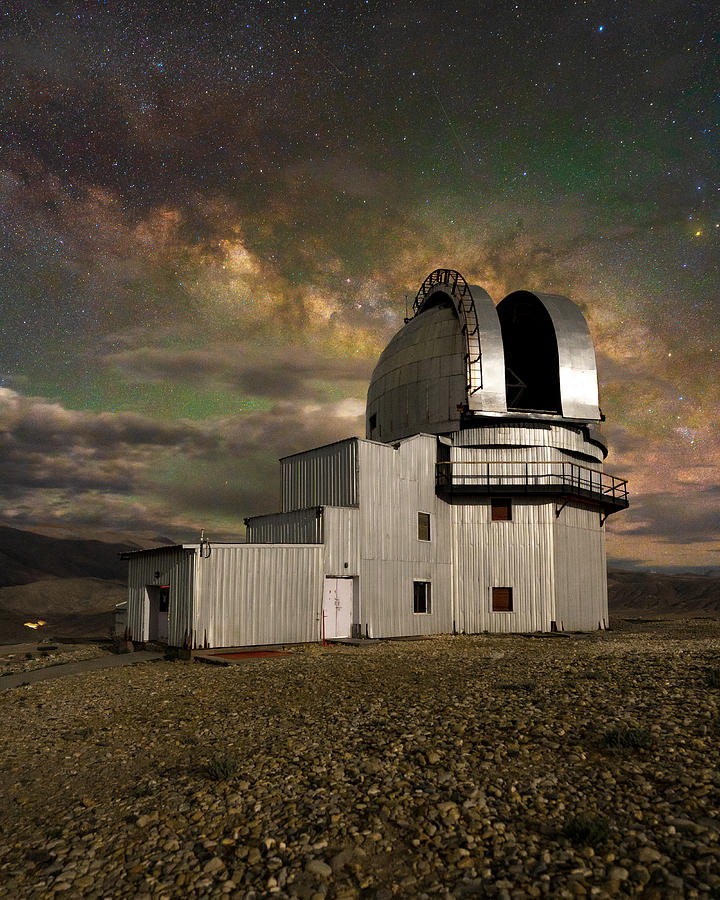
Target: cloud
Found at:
260, 369
664, 517
128, 471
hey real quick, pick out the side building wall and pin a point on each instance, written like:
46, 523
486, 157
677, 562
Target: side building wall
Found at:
325, 476
176, 568
302, 526
517, 554
555, 564
396, 483
581, 601
258, 594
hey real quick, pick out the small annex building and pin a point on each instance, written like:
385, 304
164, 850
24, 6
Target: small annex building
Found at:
476, 502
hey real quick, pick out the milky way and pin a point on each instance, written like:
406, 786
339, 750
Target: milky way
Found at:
212, 220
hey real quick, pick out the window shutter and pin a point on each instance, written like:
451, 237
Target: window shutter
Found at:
501, 509
502, 599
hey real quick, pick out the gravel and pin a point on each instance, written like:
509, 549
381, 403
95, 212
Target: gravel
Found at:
453, 767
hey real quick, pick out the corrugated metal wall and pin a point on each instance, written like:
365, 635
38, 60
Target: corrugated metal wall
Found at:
303, 526
561, 437
176, 567
259, 594
342, 543
529, 454
516, 554
581, 602
326, 476
394, 486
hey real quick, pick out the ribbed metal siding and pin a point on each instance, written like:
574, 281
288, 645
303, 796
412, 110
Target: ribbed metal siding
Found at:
581, 602
394, 486
176, 569
516, 554
524, 454
258, 594
557, 436
326, 476
341, 538
303, 526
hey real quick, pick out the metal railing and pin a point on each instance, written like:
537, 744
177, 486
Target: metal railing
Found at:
564, 478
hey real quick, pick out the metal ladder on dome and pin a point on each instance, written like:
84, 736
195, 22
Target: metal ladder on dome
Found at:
461, 295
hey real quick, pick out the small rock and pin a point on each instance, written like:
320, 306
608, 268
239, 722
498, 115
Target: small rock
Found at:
213, 865
318, 867
617, 873
147, 819
639, 874
648, 855
341, 859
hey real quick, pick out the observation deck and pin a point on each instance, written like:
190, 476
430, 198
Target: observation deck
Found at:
561, 480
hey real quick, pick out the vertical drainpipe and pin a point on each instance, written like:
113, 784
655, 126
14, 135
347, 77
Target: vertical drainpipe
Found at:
194, 612
453, 547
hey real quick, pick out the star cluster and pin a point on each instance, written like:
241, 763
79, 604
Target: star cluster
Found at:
211, 216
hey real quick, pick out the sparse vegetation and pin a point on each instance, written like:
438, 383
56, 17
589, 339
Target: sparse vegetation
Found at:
221, 767
628, 737
587, 831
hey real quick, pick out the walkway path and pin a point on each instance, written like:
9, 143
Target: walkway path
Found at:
74, 668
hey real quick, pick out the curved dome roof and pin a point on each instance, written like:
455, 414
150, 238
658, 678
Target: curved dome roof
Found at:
419, 381
549, 354
460, 358
447, 359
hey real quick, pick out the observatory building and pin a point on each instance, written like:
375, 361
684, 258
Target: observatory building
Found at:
476, 502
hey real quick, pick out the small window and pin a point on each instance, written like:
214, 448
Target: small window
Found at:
501, 509
423, 526
502, 599
373, 422
421, 597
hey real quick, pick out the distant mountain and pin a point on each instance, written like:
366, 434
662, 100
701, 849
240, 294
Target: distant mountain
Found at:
667, 593
26, 557
72, 584
70, 608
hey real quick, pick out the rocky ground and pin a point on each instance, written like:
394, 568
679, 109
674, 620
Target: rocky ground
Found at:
453, 767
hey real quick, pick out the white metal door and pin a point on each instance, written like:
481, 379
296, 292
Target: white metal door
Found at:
338, 607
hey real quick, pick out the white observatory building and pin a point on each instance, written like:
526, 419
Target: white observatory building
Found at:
475, 503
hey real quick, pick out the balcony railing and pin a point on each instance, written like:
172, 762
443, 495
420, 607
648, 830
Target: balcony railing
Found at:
560, 479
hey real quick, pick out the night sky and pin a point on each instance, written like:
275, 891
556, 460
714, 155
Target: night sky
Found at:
211, 217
